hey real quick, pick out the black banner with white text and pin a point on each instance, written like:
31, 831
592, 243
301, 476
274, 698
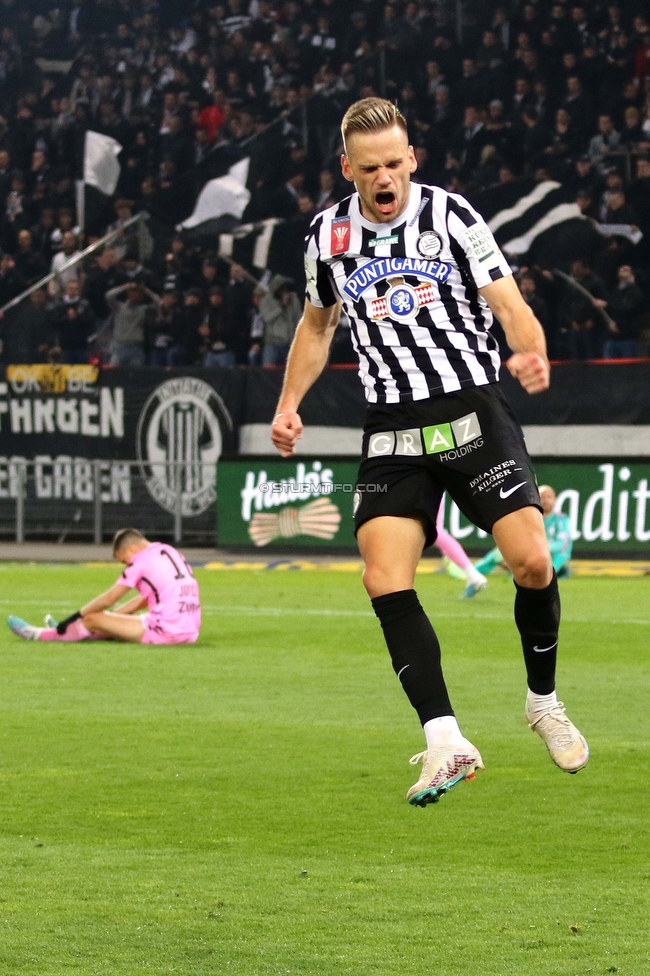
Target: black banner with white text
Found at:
76, 431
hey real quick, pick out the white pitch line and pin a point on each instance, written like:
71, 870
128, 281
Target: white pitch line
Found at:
230, 610
281, 612
461, 615
34, 603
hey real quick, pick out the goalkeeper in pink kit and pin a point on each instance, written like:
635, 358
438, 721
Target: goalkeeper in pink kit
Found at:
166, 588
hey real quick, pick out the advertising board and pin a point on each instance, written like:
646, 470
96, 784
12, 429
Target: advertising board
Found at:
267, 502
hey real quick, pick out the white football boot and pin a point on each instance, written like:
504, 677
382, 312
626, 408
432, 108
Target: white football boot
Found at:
567, 746
443, 767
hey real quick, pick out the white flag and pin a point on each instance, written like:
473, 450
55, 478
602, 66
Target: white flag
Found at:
101, 168
225, 195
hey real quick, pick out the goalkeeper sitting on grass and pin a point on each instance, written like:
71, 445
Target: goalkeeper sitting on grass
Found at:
165, 585
558, 535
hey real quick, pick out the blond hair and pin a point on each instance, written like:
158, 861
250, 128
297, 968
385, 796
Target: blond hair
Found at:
371, 115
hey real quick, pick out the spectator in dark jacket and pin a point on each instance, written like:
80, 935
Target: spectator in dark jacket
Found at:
191, 319
29, 263
37, 326
216, 331
584, 322
164, 332
102, 278
11, 281
469, 139
238, 302
638, 193
73, 322
625, 305
26, 330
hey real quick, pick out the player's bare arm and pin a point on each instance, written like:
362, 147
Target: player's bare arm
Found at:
133, 606
100, 603
105, 600
525, 335
306, 361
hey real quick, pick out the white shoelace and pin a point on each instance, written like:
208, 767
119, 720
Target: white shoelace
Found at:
561, 730
414, 760
421, 756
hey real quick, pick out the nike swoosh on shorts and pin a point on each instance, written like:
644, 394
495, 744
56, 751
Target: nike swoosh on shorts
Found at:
505, 494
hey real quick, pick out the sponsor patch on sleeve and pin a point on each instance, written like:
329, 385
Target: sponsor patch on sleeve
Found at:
340, 235
480, 241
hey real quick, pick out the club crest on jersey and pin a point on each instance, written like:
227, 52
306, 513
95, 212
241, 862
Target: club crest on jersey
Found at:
402, 301
429, 244
379, 269
340, 242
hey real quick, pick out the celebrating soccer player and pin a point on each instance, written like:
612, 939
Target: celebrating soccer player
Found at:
420, 276
165, 585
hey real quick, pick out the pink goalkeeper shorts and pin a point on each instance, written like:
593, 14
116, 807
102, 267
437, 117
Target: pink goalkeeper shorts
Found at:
155, 632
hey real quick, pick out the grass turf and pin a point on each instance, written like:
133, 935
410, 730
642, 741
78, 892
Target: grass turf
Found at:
237, 806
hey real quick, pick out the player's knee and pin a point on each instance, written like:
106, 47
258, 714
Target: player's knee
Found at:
378, 581
534, 569
372, 580
381, 579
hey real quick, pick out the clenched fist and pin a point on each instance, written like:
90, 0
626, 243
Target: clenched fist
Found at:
285, 431
532, 371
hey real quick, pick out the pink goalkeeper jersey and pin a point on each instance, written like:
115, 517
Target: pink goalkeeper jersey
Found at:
160, 575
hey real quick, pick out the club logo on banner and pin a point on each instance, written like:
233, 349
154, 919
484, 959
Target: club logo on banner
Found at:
182, 422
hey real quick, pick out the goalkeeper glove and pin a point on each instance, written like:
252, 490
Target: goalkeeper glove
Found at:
64, 624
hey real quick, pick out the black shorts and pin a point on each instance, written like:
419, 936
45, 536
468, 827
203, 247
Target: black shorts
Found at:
466, 443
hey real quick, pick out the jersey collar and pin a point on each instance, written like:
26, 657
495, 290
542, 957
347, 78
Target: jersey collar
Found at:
383, 230
139, 555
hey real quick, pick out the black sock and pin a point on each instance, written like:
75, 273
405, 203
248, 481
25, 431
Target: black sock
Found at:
415, 652
537, 615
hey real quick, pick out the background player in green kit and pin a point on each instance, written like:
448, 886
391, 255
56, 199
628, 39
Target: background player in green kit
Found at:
558, 535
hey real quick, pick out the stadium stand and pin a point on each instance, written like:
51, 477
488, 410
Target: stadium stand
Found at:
503, 101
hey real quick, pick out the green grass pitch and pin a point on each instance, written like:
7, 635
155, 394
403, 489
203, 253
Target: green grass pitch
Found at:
238, 806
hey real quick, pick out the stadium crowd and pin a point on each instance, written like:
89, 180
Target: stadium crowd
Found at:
552, 89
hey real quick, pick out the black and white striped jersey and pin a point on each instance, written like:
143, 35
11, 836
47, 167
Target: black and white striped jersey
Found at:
410, 288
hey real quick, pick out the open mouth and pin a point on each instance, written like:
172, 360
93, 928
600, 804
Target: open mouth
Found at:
385, 201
